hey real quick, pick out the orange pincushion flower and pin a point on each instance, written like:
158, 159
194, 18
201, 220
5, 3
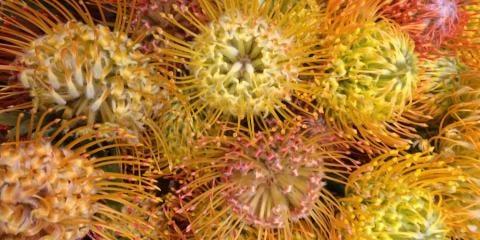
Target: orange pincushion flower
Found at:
54, 186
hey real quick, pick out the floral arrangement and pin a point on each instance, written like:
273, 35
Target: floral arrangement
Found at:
239, 119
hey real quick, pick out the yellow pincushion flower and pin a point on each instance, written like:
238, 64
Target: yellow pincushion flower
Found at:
246, 62
393, 197
373, 73
247, 66
80, 67
55, 187
369, 79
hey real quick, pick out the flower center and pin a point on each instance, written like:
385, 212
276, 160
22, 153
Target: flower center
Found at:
242, 66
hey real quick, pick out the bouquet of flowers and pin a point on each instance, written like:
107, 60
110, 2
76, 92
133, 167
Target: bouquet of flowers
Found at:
240, 119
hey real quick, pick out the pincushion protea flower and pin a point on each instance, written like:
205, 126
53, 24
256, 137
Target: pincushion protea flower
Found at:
272, 187
430, 23
69, 63
246, 62
56, 187
369, 80
392, 197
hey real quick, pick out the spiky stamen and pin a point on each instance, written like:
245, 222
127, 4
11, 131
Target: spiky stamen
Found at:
154, 218
174, 133
458, 141
150, 15
14, 97
441, 81
467, 44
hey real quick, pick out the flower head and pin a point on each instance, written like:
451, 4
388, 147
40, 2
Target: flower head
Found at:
73, 65
54, 186
62, 190
368, 83
272, 184
392, 197
245, 62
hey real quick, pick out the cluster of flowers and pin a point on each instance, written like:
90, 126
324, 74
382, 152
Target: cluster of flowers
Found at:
240, 119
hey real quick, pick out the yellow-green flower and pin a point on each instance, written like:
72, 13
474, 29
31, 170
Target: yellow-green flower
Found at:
393, 197
368, 83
